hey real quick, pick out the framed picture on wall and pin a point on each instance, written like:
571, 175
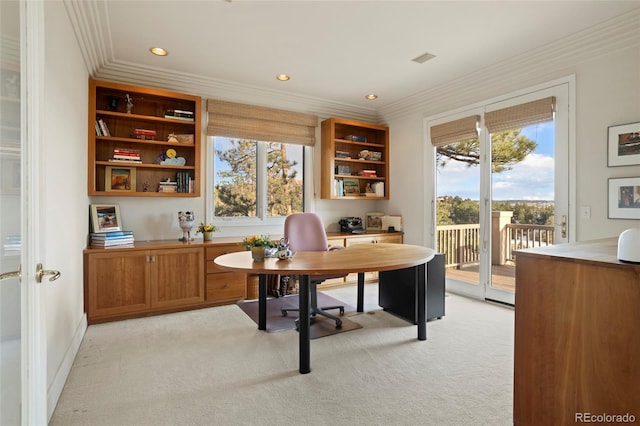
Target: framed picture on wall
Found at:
105, 218
624, 198
624, 145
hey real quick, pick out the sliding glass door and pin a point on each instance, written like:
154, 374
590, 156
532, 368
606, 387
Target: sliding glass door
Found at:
502, 190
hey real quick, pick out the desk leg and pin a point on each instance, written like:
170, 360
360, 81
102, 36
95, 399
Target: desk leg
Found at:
422, 301
360, 292
303, 326
262, 302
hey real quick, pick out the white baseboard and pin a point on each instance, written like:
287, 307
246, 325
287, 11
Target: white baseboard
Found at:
55, 390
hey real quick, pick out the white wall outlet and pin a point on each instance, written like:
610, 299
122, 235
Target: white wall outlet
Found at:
585, 212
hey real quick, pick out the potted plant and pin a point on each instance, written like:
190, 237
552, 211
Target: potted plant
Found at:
258, 244
207, 230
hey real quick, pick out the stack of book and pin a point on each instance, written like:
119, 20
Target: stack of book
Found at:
112, 239
144, 134
177, 114
168, 186
368, 173
101, 128
126, 154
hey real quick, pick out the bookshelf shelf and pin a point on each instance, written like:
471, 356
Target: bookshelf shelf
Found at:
344, 143
144, 134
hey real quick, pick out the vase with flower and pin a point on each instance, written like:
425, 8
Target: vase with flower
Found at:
207, 230
258, 244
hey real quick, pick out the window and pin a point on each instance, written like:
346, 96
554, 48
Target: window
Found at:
257, 165
255, 178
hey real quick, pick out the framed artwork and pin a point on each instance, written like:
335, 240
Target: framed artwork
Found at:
120, 179
624, 145
105, 218
351, 186
374, 221
624, 198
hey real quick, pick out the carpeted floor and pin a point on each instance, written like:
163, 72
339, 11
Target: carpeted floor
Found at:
214, 367
320, 326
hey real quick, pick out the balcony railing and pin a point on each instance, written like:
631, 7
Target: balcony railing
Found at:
461, 243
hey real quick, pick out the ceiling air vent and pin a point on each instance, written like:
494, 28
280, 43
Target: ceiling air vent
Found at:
423, 58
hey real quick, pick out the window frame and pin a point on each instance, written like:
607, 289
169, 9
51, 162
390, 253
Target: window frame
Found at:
261, 218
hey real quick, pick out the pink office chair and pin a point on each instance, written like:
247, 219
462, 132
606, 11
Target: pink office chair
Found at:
305, 232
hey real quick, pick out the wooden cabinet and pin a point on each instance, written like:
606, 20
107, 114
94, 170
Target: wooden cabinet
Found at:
355, 160
577, 329
124, 283
112, 133
222, 285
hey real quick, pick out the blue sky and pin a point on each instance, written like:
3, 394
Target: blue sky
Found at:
531, 179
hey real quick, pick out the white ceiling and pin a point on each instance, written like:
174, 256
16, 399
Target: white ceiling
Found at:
338, 50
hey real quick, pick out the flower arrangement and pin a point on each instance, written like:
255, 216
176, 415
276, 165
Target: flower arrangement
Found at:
206, 227
258, 241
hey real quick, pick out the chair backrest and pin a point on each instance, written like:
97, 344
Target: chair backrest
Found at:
305, 232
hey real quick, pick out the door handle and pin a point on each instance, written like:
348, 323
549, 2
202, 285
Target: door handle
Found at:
14, 274
40, 272
563, 228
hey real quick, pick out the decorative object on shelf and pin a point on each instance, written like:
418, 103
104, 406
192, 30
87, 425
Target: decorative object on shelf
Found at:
629, 245
105, 218
172, 138
129, 101
207, 230
624, 198
624, 145
186, 220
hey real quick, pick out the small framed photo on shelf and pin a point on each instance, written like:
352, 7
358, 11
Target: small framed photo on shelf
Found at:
105, 218
351, 186
374, 221
624, 198
624, 145
121, 179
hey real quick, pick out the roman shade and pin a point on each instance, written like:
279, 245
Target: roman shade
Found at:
455, 131
243, 121
519, 116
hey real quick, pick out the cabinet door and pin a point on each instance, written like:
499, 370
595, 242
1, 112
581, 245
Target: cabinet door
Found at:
118, 283
177, 277
390, 238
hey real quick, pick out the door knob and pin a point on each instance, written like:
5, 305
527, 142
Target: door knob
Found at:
40, 272
15, 274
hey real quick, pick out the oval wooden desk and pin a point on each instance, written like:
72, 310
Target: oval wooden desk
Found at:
359, 258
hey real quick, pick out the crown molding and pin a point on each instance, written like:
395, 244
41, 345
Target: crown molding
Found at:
535, 66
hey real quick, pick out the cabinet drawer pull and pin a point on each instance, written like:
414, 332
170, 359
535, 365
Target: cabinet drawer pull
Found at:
226, 286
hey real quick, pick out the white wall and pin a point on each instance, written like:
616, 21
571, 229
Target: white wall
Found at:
64, 193
608, 93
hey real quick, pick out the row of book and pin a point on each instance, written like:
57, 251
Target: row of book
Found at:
101, 128
112, 239
183, 183
177, 114
126, 154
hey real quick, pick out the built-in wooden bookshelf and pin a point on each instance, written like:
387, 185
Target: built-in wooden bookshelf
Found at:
355, 160
144, 130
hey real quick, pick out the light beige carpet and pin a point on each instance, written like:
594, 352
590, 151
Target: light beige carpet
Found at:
214, 367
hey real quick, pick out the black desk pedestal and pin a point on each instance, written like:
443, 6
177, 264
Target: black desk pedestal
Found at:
398, 293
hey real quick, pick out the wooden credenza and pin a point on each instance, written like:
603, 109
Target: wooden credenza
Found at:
577, 335
156, 277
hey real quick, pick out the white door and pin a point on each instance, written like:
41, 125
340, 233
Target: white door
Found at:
22, 340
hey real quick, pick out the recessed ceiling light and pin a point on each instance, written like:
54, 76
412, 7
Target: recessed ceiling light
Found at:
158, 51
283, 77
371, 97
